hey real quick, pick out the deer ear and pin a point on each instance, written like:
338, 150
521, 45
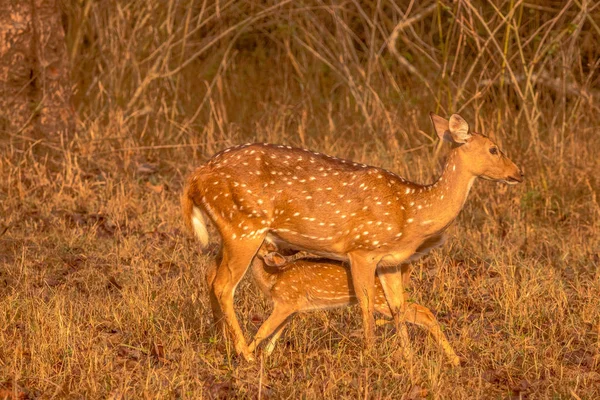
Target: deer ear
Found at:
441, 126
274, 259
459, 129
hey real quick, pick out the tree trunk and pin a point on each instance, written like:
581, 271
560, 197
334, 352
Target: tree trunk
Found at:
35, 91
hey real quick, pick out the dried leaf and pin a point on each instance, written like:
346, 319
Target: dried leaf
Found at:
129, 352
115, 395
146, 169
158, 352
521, 387
114, 283
221, 390
491, 376
11, 390
256, 319
12, 395
155, 188
417, 392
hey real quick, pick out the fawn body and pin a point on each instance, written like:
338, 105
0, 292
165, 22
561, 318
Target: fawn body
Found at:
334, 208
305, 285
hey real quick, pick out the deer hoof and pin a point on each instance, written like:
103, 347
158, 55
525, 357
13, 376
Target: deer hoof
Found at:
249, 357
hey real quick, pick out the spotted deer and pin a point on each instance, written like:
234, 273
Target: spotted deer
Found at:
307, 284
335, 208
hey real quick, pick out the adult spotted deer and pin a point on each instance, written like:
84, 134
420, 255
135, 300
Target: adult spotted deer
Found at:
335, 208
304, 285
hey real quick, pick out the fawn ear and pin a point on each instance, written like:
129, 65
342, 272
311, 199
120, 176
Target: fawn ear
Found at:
274, 259
459, 129
441, 126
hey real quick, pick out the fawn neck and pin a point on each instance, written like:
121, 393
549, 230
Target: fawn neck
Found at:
263, 278
434, 207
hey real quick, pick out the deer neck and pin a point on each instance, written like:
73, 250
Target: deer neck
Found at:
437, 205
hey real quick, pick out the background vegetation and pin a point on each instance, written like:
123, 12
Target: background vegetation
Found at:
102, 293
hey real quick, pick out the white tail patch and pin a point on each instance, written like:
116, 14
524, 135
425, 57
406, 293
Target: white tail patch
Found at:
199, 224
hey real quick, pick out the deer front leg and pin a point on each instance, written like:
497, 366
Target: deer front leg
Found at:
363, 279
392, 283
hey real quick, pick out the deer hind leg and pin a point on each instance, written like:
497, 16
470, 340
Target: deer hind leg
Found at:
236, 259
423, 317
211, 273
392, 282
272, 327
363, 280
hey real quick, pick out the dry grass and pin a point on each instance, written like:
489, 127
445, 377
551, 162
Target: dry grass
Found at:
102, 294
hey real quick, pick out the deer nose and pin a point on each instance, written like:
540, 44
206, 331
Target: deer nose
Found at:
516, 177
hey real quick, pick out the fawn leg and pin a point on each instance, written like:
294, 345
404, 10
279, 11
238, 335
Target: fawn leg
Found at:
392, 283
363, 279
271, 326
423, 317
270, 346
237, 257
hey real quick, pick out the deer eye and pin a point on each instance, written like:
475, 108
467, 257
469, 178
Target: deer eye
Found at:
493, 150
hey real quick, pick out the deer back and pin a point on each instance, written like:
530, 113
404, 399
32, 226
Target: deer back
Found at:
316, 201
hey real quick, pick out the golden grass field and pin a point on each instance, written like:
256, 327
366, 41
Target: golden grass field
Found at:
102, 291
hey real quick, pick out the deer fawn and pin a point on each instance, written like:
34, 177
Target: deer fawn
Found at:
307, 285
334, 208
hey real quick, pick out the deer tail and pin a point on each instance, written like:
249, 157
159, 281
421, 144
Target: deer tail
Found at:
193, 216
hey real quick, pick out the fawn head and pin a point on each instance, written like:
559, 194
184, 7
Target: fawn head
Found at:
483, 157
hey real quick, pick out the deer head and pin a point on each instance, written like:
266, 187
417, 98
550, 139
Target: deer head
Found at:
485, 159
